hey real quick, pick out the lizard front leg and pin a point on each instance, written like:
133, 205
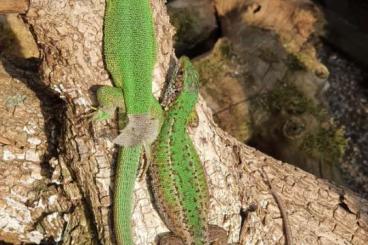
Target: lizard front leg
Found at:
109, 99
134, 129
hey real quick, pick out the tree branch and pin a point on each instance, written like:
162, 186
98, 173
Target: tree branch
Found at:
70, 36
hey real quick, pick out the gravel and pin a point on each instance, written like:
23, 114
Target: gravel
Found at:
347, 97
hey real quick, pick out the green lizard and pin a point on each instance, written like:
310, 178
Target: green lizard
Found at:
177, 177
130, 54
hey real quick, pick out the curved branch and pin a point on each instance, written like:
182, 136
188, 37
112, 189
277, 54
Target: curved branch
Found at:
69, 34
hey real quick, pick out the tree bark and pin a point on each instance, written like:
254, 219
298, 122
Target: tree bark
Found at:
242, 181
13, 6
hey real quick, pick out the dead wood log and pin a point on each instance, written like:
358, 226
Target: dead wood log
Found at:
240, 178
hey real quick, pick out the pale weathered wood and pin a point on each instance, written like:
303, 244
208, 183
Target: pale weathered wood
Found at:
70, 36
13, 6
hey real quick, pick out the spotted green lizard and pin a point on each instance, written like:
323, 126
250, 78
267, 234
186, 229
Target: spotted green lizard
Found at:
130, 54
178, 180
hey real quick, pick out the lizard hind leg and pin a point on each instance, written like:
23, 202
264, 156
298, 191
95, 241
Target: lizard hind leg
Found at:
109, 99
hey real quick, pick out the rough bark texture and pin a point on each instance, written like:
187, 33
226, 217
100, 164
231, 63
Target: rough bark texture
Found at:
69, 35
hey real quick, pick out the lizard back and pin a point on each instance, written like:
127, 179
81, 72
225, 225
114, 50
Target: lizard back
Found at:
129, 49
177, 176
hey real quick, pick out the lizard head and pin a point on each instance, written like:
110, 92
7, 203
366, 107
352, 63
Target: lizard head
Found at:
187, 88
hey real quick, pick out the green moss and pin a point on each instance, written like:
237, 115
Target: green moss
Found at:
285, 97
327, 143
226, 49
208, 70
215, 65
305, 61
314, 132
186, 25
294, 63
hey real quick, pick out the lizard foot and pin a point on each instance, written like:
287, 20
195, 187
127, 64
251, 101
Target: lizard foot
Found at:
109, 98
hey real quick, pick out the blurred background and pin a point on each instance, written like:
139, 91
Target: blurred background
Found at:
288, 77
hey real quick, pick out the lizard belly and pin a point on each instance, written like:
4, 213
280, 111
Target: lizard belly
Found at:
179, 185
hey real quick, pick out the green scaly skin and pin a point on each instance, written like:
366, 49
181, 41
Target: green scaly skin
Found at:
178, 179
130, 53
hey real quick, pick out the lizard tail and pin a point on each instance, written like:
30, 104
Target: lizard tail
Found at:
127, 167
